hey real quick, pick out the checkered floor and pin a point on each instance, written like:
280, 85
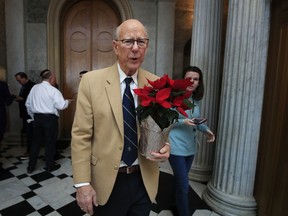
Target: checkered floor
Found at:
45, 193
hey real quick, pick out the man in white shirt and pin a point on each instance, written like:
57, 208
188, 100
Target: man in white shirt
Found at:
43, 104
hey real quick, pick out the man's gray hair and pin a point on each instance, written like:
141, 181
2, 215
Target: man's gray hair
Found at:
117, 32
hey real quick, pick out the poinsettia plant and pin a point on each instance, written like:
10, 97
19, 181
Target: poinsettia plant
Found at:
163, 99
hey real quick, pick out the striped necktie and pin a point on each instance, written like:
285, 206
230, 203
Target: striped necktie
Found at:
130, 128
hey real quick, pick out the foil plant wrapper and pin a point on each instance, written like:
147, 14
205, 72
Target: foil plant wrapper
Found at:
152, 138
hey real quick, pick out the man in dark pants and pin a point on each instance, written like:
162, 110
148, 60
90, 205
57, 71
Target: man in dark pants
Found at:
27, 128
109, 183
43, 105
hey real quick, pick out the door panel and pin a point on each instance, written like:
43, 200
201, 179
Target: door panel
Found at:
103, 29
280, 195
271, 183
88, 31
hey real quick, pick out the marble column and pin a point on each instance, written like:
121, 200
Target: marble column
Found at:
165, 37
15, 44
205, 54
230, 192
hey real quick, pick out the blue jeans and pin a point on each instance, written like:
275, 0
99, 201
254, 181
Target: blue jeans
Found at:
181, 166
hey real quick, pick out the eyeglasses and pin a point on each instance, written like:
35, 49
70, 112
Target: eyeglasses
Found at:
129, 43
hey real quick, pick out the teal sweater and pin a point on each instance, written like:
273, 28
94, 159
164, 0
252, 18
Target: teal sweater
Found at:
183, 137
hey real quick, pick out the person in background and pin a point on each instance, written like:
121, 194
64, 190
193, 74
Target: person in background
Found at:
75, 94
6, 98
109, 183
81, 73
43, 105
184, 141
27, 128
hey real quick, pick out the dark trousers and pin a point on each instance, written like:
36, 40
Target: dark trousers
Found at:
28, 130
3, 120
181, 166
45, 130
128, 198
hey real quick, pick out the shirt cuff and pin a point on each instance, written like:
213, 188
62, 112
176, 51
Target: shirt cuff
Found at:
81, 184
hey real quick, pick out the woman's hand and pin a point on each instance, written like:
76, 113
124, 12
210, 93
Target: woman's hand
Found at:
189, 122
210, 136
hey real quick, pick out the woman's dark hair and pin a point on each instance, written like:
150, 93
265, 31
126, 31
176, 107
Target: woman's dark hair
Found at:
199, 91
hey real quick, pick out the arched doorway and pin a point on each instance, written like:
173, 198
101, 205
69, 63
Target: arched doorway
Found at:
58, 10
88, 28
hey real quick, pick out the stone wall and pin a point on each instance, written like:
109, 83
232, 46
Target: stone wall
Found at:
2, 35
36, 37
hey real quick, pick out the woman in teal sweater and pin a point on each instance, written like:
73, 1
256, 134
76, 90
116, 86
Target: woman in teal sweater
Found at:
184, 141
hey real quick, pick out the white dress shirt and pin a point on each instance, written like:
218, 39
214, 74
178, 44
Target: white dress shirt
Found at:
133, 85
46, 99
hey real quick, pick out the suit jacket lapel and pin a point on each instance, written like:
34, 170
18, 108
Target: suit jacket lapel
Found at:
141, 79
112, 87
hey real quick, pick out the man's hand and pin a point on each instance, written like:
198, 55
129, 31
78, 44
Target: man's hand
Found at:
18, 98
86, 198
162, 155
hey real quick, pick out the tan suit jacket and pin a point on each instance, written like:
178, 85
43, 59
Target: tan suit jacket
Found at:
98, 136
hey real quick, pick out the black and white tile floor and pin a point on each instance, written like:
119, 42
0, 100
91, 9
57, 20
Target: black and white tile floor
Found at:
45, 193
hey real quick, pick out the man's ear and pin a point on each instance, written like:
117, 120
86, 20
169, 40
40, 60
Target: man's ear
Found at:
115, 46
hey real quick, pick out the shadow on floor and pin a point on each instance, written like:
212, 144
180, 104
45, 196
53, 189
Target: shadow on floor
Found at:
166, 196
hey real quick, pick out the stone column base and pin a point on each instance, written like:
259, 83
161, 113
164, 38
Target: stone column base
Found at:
227, 204
200, 173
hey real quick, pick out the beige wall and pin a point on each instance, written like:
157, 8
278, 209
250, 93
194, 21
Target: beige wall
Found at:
183, 32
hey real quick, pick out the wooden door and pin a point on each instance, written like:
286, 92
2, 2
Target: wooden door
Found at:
271, 185
88, 31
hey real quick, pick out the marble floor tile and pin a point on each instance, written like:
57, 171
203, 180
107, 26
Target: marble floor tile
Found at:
44, 193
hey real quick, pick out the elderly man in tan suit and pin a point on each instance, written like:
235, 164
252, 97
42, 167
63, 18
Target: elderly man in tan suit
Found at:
106, 185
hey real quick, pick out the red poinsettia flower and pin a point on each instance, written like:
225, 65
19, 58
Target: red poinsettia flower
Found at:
143, 92
159, 83
161, 97
179, 84
163, 100
187, 94
179, 104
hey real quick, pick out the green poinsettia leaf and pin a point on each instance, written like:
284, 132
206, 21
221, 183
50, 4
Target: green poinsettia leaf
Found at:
143, 112
161, 122
188, 103
177, 93
152, 94
171, 115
